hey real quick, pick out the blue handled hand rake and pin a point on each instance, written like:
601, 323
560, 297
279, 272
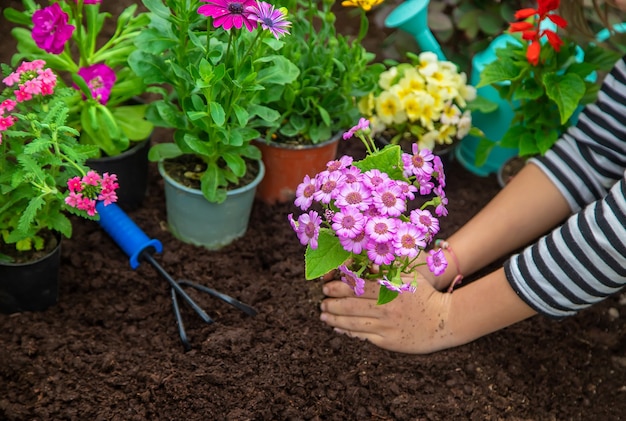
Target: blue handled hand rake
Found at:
139, 247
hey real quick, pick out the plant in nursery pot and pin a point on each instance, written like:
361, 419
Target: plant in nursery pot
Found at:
334, 72
382, 210
42, 177
425, 101
105, 107
546, 77
212, 61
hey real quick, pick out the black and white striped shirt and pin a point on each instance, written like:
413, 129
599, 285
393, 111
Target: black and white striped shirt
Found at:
584, 260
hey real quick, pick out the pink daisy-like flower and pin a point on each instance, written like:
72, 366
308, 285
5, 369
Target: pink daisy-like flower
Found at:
420, 163
375, 178
327, 186
353, 280
229, 13
441, 209
436, 262
388, 199
408, 240
438, 171
394, 287
348, 222
380, 229
304, 193
425, 220
354, 195
363, 124
380, 253
270, 19
100, 78
308, 228
50, 29
339, 164
352, 175
355, 245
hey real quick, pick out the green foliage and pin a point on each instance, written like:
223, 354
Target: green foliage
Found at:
545, 97
218, 80
37, 157
111, 127
335, 71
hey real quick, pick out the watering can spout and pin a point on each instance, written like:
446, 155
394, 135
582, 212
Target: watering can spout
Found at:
412, 17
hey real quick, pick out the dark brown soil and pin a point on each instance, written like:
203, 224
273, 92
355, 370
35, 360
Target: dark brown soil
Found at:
110, 350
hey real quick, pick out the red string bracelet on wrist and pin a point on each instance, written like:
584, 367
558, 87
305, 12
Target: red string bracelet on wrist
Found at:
459, 276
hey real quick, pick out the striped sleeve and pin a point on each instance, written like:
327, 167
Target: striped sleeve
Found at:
583, 261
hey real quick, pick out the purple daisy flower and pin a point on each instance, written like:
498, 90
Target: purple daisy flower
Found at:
304, 193
269, 18
349, 222
395, 287
229, 13
349, 277
354, 195
307, 228
408, 240
380, 253
355, 245
380, 229
388, 199
425, 220
436, 262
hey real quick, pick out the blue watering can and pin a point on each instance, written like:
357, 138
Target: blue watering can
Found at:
139, 247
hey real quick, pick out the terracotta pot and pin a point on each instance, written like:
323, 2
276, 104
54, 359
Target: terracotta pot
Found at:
286, 165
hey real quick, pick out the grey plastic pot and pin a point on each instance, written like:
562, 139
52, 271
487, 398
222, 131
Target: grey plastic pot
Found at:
194, 220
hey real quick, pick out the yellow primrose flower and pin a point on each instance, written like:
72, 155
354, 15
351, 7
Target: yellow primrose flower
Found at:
464, 126
363, 4
366, 104
428, 113
446, 134
386, 77
428, 63
389, 109
451, 114
412, 106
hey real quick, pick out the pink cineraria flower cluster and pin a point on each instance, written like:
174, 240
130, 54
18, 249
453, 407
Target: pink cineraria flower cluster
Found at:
32, 80
85, 191
368, 212
248, 13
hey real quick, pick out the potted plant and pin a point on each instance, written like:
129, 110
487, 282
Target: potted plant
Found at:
335, 71
382, 210
424, 101
42, 177
213, 63
546, 77
105, 106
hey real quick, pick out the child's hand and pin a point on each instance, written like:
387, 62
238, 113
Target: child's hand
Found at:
412, 323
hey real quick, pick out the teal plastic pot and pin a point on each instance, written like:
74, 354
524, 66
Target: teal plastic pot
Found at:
194, 220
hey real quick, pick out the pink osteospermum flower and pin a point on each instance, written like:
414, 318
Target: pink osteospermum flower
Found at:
380, 253
304, 193
354, 195
363, 124
229, 13
425, 220
353, 280
395, 287
307, 228
348, 222
270, 19
388, 199
355, 245
436, 262
409, 240
380, 229
51, 29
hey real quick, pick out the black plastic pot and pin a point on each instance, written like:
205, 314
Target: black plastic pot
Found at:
131, 168
32, 286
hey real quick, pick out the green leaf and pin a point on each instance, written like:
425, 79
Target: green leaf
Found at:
217, 113
280, 72
499, 71
163, 151
385, 295
132, 122
566, 91
329, 255
387, 160
210, 185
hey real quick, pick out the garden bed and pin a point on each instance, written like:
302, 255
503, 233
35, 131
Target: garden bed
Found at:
110, 348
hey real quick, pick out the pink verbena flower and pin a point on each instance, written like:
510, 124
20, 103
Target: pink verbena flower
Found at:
353, 280
229, 13
50, 29
100, 79
436, 262
269, 18
85, 191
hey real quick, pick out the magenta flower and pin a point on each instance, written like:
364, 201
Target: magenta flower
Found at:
425, 220
374, 178
354, 195
229, 13
339, 164
420, 163
50, 29
304, 193
355, 281
307, 228
355, 245
436, 262
380, 229
395, 287
85, 191
409, 240
363, 124
269, 18
100, 79
388, 199
349, 222
380, 253
328, 184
